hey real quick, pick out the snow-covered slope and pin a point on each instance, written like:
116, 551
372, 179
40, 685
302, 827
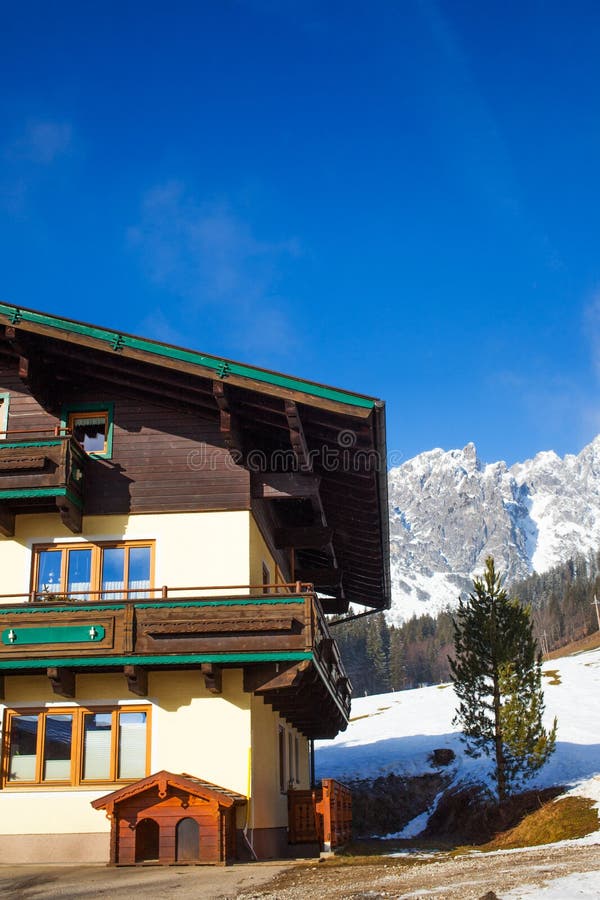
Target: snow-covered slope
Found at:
448, 512
397, 732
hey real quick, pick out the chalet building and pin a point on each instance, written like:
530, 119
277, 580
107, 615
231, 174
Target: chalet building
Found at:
174, 530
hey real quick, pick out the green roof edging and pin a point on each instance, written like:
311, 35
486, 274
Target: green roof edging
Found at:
160, 660
221, 367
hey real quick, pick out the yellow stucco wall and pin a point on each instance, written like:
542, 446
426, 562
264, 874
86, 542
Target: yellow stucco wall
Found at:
192, 731
192, 549
269, 805
259, 554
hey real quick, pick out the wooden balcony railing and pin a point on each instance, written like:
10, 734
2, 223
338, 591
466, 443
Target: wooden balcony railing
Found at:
277, 632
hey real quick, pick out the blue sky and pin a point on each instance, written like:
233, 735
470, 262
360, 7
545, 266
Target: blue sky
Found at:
400, 198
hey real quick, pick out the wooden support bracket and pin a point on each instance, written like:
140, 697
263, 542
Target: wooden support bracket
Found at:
7, 521
227, 422
62, 681
70, 514
213, 677
137, 680
297, 437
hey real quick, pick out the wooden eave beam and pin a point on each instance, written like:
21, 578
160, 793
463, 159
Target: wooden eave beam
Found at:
284, 486
154, 392
41, 386
7, 521
213, 677
228, 424
70, 514
297, 437
137, 680
62, 681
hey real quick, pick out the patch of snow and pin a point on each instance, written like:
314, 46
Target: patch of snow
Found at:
398, 732
578, 884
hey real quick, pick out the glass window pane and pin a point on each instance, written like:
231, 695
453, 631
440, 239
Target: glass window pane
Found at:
49, 564
96, 746
57, 748
113, 569
132, 745
139, 570
90, 431
80, 572
23, 743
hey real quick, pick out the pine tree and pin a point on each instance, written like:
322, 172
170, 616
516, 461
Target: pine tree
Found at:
497, 679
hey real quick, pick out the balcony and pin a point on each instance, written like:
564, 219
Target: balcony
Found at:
40, 472
277, 634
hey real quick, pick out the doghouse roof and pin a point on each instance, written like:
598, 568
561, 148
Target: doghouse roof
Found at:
163, 780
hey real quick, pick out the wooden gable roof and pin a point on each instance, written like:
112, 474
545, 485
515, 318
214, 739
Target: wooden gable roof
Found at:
331, 505
162, 781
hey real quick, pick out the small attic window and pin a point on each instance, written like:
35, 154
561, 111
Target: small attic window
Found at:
92, 428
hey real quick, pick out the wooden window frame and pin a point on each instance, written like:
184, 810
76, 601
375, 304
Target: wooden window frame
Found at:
77, 745
91, 410
97, 548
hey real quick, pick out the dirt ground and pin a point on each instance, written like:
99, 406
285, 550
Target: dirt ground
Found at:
477, 877
462, 878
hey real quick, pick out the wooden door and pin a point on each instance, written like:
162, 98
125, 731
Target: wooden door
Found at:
187, 841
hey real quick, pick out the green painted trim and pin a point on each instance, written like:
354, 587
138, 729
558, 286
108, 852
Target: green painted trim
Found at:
14, 445
246, 601
162, 660
56, 634
20, 493
27, 609
221, 367
96, 406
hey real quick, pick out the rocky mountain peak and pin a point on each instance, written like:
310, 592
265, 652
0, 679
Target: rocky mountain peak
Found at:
449, 512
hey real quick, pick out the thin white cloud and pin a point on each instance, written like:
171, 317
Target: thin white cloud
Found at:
41, 142
205, 255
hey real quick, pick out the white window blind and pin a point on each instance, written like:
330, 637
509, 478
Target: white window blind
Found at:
132, 745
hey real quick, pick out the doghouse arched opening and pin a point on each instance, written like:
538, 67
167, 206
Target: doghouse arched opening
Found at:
187, 840
147, 841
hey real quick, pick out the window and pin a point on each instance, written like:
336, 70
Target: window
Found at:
4, 400
108, 571
281, 736
92, 426
290, 759
76, 746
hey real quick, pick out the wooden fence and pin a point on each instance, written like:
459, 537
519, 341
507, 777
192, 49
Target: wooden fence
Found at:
323, 815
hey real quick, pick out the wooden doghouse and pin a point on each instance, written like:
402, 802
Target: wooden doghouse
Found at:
170, 819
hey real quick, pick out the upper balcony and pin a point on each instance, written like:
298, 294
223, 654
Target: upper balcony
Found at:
39, 471
277, 634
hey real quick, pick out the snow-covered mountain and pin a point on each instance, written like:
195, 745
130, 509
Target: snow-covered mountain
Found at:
448, 512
